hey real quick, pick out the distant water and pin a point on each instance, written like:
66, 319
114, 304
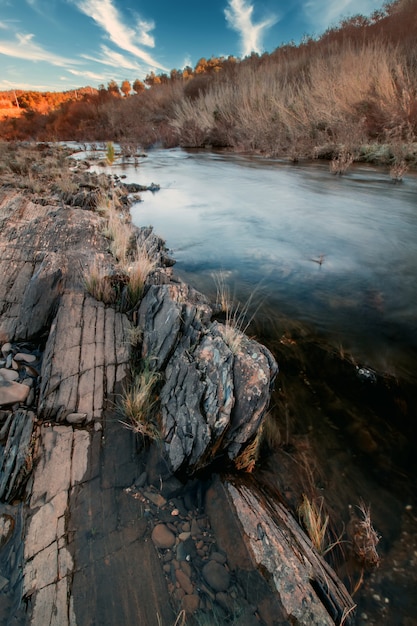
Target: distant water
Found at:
337, 253
267, 225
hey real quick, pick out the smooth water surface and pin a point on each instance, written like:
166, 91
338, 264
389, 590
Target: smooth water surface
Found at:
267, 224
264, 224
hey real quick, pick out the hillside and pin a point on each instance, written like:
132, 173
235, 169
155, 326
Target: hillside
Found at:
342, 95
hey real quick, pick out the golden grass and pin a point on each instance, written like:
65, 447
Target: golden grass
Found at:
139, 402
138, 271
120, 233
97, 283
338, 97
236, 316
341, 163
315, 522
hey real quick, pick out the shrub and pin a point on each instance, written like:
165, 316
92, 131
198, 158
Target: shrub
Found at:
110, 153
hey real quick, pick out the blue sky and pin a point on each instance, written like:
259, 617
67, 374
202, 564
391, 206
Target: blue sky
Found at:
62, 44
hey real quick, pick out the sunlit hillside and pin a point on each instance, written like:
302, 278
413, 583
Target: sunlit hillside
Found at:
347, 94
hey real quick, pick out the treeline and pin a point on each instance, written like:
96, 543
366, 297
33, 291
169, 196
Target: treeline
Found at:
41, 101
350, 90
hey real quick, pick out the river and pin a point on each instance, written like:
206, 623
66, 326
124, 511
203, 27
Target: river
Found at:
328, 266
336, 252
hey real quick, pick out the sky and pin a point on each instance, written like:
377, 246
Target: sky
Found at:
57, 45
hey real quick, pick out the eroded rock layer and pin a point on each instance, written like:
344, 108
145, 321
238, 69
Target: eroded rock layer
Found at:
94, 526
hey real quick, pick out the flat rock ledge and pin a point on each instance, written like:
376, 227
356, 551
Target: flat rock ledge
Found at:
94, 527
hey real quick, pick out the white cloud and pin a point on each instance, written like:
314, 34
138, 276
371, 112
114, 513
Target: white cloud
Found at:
6, 85
324, 14
187, 62
23, 47
239, 16
105, 14
87, 74
144, 36
113, 59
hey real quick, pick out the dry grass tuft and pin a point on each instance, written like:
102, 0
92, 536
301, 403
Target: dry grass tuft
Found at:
246, 460
138, 271
119, 231
139, 402
236, 316
341, 163
397, 170
363, 537
315, 522
271, 432
97, 283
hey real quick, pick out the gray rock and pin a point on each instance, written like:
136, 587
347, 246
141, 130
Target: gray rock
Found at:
7, 524
190, 603
76, 418
3, 582
216, 575
6, 348
22, 357
212, 400
16, 458
163, 537
12, 392
8, 374
31, 397
270, 534
41, 296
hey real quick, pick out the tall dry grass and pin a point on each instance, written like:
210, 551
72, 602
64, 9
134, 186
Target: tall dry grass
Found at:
341, 97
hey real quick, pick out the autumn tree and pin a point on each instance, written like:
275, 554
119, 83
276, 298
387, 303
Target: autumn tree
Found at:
113, 88
138, 86
187, 72
152, 80
201, 66
126, 88
175, 75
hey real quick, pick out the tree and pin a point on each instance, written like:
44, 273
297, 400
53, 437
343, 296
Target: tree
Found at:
152, 80
175, 75
126, 88
187, 72
113, 88
138, 86
201, 66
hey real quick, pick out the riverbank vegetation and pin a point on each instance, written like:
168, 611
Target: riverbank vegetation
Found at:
349, 94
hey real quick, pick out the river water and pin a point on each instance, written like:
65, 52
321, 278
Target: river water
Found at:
328, 264
266, 225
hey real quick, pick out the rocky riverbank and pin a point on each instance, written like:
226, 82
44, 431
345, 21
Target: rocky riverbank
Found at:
101, 523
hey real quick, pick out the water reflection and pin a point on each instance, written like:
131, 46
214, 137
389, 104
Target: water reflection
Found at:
270, 222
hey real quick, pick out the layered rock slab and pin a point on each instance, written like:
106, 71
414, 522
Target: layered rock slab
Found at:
86, 355
217, 388
271, 555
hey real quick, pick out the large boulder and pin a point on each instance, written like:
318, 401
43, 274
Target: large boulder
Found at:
216, 391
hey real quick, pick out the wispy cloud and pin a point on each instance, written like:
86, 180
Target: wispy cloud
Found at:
239, 16
105, 14
24, 47
87, 74
113, 59
325, 14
